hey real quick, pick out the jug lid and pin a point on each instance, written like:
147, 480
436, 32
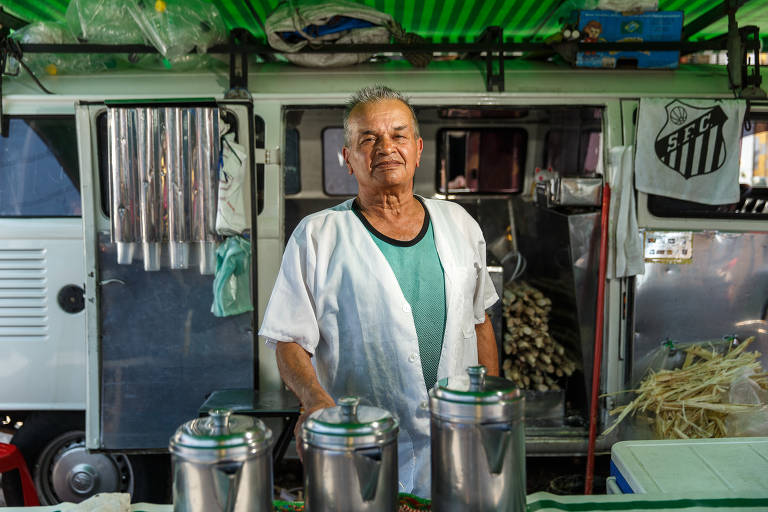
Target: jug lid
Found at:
498, 398
350, 424
221, 430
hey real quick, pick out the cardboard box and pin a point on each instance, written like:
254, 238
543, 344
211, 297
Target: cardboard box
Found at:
611, 26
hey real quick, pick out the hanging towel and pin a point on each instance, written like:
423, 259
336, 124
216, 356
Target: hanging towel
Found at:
626, 254
689, 149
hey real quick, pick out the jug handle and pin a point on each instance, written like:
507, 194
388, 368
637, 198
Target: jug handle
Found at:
368, 465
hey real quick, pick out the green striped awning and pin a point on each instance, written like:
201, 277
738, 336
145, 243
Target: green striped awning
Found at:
446, 20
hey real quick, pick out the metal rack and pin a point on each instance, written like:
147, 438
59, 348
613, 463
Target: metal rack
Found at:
490, 47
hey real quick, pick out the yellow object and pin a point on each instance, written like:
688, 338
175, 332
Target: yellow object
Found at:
160, 6
51, 69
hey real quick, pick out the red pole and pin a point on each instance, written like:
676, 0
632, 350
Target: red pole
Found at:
598, 359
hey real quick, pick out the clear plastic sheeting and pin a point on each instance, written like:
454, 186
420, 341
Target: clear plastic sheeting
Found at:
102, 21
56, 63
751, 422
163, 165
177, 27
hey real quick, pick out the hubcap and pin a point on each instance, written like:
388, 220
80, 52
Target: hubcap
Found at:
82, 478
67, 472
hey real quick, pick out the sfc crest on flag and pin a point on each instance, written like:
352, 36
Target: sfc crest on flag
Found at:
689, 148
691, 141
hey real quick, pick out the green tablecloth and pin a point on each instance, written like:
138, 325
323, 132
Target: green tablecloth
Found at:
756, 501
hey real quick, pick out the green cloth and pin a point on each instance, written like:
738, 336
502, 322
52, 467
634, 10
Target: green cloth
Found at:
419, 273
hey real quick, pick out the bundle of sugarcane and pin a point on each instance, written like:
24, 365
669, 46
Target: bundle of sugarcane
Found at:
692, 401
533, 359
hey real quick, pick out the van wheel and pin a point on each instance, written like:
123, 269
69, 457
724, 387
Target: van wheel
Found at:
53, 446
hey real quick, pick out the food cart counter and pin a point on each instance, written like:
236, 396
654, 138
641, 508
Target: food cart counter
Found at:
752, 501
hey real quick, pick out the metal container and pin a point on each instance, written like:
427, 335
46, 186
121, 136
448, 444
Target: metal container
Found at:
222, 463
163, 164
580, 191
123, 190
562, 191
176, 162
478, 444
350, 459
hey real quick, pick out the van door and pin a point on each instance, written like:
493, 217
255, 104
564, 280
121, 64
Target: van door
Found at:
155, 350
42, 323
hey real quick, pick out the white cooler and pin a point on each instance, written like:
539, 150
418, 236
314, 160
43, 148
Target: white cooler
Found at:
673, 466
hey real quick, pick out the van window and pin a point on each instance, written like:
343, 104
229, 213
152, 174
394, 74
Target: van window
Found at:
481, 159
292, 169
336, 178
561, 145
38, 168
753, 170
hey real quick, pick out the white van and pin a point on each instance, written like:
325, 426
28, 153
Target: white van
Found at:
101, 362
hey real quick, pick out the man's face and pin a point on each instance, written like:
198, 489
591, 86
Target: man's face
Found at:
383, 150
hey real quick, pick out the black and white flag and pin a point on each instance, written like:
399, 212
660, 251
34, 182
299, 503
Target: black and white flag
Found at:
689, 149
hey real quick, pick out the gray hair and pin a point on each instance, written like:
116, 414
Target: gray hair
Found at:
373, 94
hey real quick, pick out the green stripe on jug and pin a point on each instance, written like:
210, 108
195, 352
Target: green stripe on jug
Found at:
672, 504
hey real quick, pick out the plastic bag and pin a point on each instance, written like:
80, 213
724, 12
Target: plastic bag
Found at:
176, 27
294, 25
752, 423
102, 21
671, 354
56, 63
231, 218
232, 283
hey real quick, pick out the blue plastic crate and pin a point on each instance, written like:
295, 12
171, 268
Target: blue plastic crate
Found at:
611, 26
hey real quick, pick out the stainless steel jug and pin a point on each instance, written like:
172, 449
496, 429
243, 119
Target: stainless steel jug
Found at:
222, 463
350, 459
478, 444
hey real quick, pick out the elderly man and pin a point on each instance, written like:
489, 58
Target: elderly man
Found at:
385, 293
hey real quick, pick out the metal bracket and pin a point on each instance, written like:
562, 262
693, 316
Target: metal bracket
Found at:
493, 37
751, 81
238, 63
266, 156
738, 45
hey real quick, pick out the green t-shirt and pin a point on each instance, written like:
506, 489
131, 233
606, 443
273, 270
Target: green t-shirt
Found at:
419, 273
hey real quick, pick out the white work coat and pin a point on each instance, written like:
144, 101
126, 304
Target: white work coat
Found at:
338, 298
